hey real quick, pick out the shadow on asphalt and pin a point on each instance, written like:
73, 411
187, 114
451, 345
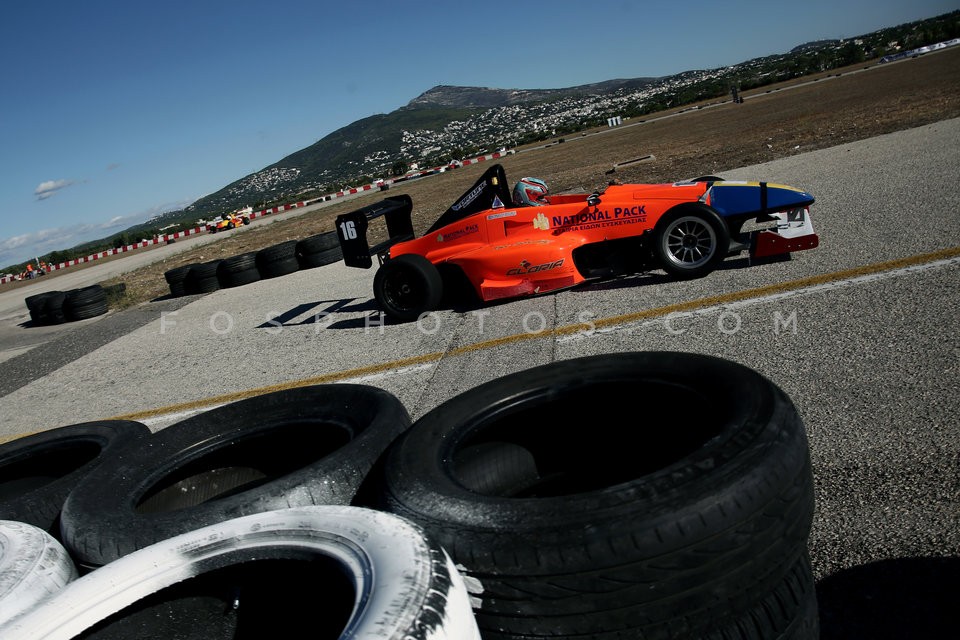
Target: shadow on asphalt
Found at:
896, 599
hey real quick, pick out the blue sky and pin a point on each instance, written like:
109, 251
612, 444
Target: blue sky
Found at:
115, 110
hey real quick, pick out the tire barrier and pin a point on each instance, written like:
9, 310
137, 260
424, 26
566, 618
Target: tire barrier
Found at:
624, 495
202, 278
57, 307
278, 260
338, 571
270, 262
33, 566
46, 308
38, 471
238, 270
319, 250
649, 494
298, 447
86, 302
176, 278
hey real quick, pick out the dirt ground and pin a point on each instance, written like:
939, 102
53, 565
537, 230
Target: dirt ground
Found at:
830, 109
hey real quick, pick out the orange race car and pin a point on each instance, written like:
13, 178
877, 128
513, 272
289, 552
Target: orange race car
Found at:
501, 244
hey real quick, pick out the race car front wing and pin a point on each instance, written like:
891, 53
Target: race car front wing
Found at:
793, 232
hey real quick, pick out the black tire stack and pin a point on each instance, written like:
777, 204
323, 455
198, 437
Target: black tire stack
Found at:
176, 278
588, 504
278, 260
46, 308
57, 307
86, 302
270, 262
654, 495
202, 278
319, 250
238, 270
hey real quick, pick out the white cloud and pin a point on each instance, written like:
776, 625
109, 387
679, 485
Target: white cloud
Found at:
46, 189
29, 245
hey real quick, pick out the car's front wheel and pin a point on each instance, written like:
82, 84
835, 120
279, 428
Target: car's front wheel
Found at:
407, 286
689, 242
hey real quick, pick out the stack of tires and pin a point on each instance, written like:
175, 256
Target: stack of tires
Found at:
176, 278
630, 495
242, 515
319, 250
238, 270
57, 307
46, 308
633, 495
278, 260
86, 302
202, 278
270, 262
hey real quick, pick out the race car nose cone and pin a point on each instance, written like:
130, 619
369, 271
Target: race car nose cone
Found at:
755, 197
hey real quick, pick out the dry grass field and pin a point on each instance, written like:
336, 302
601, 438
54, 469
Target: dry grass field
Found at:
816, 112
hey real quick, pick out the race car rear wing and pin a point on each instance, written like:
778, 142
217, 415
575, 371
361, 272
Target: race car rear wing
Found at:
352, 229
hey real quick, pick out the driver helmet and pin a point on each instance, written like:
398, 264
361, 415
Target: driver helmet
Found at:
530, 192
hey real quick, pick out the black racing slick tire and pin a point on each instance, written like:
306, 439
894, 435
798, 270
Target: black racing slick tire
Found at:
297, 447
327, 572
33, 566
690, 241
654, 495
407, 286
38, 471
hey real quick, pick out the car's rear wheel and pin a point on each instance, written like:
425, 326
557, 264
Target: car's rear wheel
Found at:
691, 241
407, 286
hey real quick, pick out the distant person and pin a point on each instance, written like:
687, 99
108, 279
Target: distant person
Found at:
31, 274
531, 192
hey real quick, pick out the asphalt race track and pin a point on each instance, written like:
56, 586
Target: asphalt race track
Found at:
861, 332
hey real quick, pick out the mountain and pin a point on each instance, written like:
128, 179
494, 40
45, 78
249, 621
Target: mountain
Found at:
449, 123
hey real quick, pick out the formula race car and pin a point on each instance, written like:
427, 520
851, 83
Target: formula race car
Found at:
229, 221
486, 243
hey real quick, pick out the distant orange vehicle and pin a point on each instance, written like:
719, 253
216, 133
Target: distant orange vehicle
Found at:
229, 221
489, 241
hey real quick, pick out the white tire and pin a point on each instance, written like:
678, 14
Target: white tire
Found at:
404, 585
33, 566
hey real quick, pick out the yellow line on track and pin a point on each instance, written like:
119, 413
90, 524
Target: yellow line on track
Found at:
726, 298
